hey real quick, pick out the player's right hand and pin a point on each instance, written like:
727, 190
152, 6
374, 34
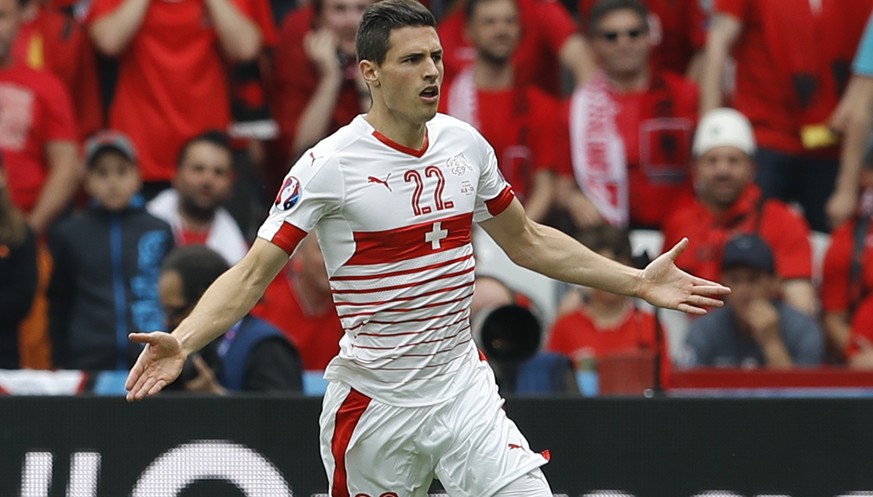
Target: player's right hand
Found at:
158, 365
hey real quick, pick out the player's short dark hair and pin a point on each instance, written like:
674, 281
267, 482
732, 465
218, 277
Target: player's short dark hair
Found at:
197, 266
383, 17
602, 8
212, 136
607, 237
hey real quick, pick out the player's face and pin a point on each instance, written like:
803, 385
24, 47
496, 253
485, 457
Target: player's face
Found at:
494, 30
343, 18
9, 19
721, 175
409, 79
112, 180
621, 43
205, 177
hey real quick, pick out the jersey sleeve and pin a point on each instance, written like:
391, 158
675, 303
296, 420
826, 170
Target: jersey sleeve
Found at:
493, 194
309, 192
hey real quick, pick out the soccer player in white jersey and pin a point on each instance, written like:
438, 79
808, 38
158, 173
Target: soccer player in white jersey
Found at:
393, 197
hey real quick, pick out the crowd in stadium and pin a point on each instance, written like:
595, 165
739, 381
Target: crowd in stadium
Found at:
143, 142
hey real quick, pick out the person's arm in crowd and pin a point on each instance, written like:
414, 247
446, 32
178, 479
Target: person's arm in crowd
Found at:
274, 367
320, 47
837, 328
542, 195
578, 58
554, 254
854, 118
113, 32
239, 37
224, 303
721, 38
60, 186
580, 208
800, 294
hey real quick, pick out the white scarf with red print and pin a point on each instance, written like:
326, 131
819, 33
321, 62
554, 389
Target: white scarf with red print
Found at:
599, 161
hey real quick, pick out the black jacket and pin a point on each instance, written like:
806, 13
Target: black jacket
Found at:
105, 285
18, 279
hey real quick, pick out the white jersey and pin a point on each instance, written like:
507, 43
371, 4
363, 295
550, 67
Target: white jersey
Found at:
394, 225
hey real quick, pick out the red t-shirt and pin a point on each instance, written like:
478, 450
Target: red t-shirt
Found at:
296, 79
56, 42
657, 128
520, 125
575, 335
783, 229
836, 289
36, 110
172, 81
781, 43
545, 25
316, 337
679, 27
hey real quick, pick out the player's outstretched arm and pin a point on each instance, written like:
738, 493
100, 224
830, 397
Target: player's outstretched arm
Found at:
224, 303
556, 255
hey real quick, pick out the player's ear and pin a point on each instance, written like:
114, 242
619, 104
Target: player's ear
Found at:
370, 72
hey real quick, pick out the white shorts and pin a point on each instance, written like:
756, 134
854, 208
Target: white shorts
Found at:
371, 449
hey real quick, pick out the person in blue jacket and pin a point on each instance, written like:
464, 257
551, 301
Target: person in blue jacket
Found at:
107, 259
253, 356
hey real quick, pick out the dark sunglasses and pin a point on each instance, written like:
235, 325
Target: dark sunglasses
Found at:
613, 36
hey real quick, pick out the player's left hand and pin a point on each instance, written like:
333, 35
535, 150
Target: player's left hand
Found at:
665, 285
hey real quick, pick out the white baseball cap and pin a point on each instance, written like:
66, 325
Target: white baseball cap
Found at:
723, 127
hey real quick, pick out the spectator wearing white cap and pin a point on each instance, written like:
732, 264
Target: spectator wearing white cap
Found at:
107, 260
727, 202
755, 328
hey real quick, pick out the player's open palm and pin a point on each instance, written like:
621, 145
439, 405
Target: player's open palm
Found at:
158, 365
665, 285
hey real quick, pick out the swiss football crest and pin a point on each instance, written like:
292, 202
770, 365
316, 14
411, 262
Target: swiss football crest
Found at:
289, 194
458, 165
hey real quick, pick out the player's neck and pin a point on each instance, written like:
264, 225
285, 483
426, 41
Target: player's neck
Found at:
397, 129
493, 76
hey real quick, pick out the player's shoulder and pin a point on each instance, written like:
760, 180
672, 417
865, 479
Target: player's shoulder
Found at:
444, 124
328, 153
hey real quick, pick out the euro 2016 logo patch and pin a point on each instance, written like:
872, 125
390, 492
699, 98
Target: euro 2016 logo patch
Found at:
289, 194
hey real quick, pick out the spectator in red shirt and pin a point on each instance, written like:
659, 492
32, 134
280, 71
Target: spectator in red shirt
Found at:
605, 324
629, 130
728, 203
317, 85
517, 120
847, 278
793, 62
172, 80
51, 40
678, 32
299, 303
550, 40
38, 134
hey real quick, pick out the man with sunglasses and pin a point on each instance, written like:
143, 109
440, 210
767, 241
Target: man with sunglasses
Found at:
629, 129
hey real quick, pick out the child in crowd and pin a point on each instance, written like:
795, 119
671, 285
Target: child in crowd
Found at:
107, 262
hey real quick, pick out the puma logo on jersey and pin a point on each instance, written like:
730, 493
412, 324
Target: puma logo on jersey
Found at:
313, 158
514, 446
373, 179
